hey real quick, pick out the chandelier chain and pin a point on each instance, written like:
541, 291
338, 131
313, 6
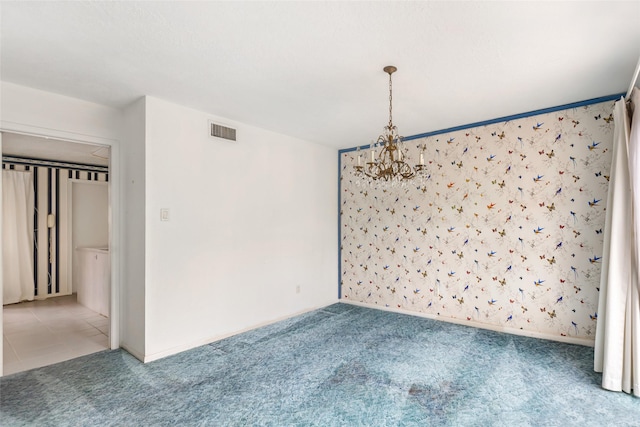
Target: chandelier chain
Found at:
390, 103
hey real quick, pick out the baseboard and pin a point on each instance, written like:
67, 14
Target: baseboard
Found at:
179, 349
513, 331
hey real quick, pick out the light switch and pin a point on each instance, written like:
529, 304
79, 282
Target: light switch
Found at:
164, 214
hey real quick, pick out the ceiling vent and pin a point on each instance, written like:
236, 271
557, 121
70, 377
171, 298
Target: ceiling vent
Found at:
224, 132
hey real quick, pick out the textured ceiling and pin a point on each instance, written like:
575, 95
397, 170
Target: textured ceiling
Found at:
314, 69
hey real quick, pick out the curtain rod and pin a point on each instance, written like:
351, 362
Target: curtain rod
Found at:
54, 164
633, 80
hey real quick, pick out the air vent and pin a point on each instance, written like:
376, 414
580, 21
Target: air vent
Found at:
223, 132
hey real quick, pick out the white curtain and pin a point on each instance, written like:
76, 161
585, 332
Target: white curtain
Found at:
17, 236
617, 347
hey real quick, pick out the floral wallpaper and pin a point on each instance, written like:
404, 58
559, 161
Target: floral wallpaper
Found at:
505, 229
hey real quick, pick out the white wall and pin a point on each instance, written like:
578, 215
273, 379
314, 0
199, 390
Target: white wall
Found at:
90, 214
90, 219
133, 305
56, 115
1, 266
249, 221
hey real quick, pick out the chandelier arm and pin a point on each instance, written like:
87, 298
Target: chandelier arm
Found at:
372, 171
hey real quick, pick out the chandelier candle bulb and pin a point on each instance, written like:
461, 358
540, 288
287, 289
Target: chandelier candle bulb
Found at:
421, 158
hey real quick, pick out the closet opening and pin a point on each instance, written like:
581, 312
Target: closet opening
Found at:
56, 250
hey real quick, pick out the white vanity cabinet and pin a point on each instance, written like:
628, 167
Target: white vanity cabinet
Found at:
93, 273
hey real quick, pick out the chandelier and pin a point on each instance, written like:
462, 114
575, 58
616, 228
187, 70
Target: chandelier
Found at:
386, 155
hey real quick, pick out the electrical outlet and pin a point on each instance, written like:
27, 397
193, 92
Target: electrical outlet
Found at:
297, 289
164, 214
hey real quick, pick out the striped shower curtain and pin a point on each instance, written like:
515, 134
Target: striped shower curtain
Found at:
617, 347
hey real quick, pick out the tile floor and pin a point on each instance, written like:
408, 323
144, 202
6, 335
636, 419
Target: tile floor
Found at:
40, 333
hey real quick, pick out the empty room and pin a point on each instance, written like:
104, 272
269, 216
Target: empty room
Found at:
325, 213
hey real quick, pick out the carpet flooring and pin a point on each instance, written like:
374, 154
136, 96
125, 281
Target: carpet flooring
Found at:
342, 365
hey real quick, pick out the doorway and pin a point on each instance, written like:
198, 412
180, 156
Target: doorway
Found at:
63, 322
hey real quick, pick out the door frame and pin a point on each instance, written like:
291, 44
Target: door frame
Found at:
114, 214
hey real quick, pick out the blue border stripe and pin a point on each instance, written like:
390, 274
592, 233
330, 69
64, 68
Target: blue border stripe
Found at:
502, 119
339, 227
448, 130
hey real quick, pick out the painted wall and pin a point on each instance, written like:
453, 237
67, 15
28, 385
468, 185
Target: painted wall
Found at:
90, 224
133, 304
57, 114
90, 219
1, 263
249, 222
505, 231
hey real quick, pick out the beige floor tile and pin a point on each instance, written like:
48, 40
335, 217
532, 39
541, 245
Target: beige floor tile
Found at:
40, 333
46, 359
11, 316
97, 320
19, 328
89, 332
9, 368
69, 325
87, 347
8, 353
101, 339
32, 343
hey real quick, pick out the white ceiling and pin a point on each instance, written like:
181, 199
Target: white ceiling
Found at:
314, 69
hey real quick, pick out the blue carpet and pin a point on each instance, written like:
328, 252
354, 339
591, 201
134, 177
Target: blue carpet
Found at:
339, 366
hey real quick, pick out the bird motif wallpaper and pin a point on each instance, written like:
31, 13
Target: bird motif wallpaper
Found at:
504, 230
